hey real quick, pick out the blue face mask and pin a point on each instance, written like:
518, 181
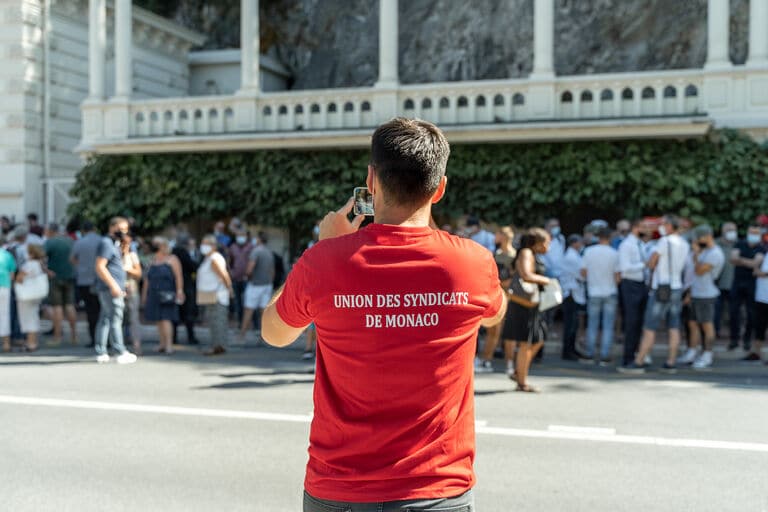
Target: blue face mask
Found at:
753, 239
555, 231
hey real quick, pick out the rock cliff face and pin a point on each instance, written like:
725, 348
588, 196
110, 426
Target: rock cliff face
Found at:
334, 43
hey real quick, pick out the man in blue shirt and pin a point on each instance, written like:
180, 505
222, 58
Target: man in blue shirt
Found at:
83, 257
111, 290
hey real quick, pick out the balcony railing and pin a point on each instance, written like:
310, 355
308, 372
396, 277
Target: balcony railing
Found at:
460, 103
680, 103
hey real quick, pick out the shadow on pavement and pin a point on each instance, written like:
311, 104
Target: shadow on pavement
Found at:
249, 384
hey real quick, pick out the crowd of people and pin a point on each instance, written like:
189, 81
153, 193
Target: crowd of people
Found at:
122, 281
629, 282
624, 283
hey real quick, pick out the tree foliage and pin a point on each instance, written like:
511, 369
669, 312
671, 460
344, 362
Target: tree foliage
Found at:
723, 177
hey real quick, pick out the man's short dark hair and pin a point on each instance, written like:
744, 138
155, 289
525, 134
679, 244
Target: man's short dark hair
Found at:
604, 233
409, 157
53, 227
32, 217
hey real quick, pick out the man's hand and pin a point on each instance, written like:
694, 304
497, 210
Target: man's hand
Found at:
336, 223
116, 292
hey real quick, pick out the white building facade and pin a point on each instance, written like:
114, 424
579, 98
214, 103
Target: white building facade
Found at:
102, 77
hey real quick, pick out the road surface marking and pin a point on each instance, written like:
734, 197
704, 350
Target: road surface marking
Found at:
157, 409
559, 432
582, 430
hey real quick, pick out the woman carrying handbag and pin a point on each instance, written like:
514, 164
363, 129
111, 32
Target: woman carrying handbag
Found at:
31, 288
214, 289
163, 292
525, 327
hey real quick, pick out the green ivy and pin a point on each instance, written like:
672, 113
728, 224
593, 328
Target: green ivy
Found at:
722, 177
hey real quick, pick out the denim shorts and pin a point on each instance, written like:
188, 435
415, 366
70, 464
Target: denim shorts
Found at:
463, 503
670, 311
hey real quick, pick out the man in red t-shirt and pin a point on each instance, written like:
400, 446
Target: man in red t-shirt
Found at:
396, 306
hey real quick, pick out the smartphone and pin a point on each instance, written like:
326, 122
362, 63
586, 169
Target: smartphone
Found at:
363, 201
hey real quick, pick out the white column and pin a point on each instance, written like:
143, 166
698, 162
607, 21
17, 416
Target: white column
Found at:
249, 45
543, 38
123, 64
758, 33
388, 34
97, 43
718, 17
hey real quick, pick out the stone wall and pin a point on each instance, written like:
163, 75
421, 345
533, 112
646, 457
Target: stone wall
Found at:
334, 43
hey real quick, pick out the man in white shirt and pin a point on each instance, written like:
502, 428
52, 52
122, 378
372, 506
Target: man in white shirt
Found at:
632, 289
705, 264
665, 302
573, 297
600, 268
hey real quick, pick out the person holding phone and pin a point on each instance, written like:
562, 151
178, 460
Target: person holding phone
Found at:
110, 286
395, 294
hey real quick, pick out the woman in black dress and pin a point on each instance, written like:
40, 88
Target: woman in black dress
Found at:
163, 292
524, 327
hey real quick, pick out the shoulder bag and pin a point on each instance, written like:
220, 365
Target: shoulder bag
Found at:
32, 288
522, 292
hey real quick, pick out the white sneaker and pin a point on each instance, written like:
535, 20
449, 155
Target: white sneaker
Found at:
103, 358
689, 357
648, 360
126, 358
510, 369
483, 367
704, 361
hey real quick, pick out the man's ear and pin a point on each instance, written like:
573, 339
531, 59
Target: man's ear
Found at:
440, 192
370, 181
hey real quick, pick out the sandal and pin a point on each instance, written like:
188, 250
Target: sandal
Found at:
27, 348
526, 388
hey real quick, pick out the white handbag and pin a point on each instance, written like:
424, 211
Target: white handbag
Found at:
550, 296
32, 288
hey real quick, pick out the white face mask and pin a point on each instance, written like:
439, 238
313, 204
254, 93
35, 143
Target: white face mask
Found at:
731, 236
205, 250
663, 230
241, 240
753, 239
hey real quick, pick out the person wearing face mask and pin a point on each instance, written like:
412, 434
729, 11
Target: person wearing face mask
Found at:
729, 237
705, 264
215, 288
553, 259
222, 238
623, 227
746, 256
665, 301
110, 287
237, 255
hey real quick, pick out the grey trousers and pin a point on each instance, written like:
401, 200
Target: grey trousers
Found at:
216, 316
463, 503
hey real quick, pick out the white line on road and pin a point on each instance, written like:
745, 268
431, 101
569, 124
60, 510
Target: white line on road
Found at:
558, 432
158, 409
582, 430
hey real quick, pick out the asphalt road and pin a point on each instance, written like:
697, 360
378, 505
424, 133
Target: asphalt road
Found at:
189, 433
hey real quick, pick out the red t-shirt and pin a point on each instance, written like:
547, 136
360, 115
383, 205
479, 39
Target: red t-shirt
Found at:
396, 311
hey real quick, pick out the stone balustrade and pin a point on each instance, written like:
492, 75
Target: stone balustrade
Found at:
630, 95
